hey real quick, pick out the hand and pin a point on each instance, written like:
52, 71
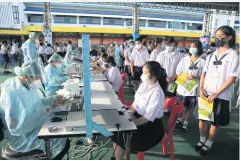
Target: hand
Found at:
132, 74
169, 80
60, 99
54, 106
212, 97
189, 77
202, 94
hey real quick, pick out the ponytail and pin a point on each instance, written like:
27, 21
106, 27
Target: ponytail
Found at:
163, 80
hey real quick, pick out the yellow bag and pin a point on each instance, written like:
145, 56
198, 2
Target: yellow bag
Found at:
205, 110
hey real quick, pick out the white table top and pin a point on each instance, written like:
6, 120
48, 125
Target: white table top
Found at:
97, 76
103, 97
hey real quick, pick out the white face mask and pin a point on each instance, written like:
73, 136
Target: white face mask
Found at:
193, 51
36, 84
58, 65
169, 48
131, 46
145, 79
138, 46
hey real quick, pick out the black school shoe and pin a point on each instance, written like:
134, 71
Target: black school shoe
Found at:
197, 147
204, 152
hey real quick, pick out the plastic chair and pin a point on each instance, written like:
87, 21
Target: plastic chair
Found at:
121, 94
176, 107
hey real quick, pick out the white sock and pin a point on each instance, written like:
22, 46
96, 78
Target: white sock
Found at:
203, 139
209, 143
185, 123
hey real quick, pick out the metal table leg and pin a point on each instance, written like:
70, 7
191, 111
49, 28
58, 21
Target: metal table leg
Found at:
47, 148
128, 146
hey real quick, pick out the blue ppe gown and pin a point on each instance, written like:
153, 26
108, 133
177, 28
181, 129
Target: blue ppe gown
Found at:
29, 51
54, 80
24, 113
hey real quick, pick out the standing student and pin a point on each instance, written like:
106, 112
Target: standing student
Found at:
41, 52
4, 50
147, 112
139, 57
123, 48
69, 47
15, 52
192, 65
111, 50
157, 50
169, 60
127, 56
49, 51
220, 72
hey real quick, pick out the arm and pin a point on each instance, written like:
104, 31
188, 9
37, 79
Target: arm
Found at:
140, 121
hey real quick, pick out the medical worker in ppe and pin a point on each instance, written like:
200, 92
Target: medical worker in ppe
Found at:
29, 48
24, 110
54, 77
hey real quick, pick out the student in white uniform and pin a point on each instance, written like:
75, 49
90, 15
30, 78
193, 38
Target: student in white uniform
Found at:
111, 72
147, 112
157, 50
49, 51
69, 47
127, 55
139, 57
169, 60
193, 65
220, 72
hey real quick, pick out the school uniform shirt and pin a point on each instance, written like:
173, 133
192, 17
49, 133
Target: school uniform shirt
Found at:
127, 54
59, 49
49, 51
113, 75
4, 49
169, 62
149, 102
41, 50
69, 48
139, 57
183, 66
15, 49
154, 54
216, 75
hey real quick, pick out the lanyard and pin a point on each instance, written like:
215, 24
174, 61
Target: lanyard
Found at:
219, 62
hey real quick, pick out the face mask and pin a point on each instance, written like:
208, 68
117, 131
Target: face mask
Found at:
138, 46
36, 84
149, 47
58, 65
145, 79
193, 51
169, 48
131, 46
220, 42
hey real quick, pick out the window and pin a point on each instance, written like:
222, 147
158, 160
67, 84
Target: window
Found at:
236, 29
176, 25
142, 23
158, 24
128, 22
16, 15
90, 20
36, 18
114, 21
193, 26
228, 22
216, 24
65, 19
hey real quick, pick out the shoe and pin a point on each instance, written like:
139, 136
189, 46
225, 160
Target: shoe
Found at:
199, 147
178, 123
7, 72
204, 152
184, 128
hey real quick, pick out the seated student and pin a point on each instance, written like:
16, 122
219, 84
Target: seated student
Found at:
54, 77
24, 110
147, 111
94, 55
219, 73
100, 62
192, 65
111, 72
